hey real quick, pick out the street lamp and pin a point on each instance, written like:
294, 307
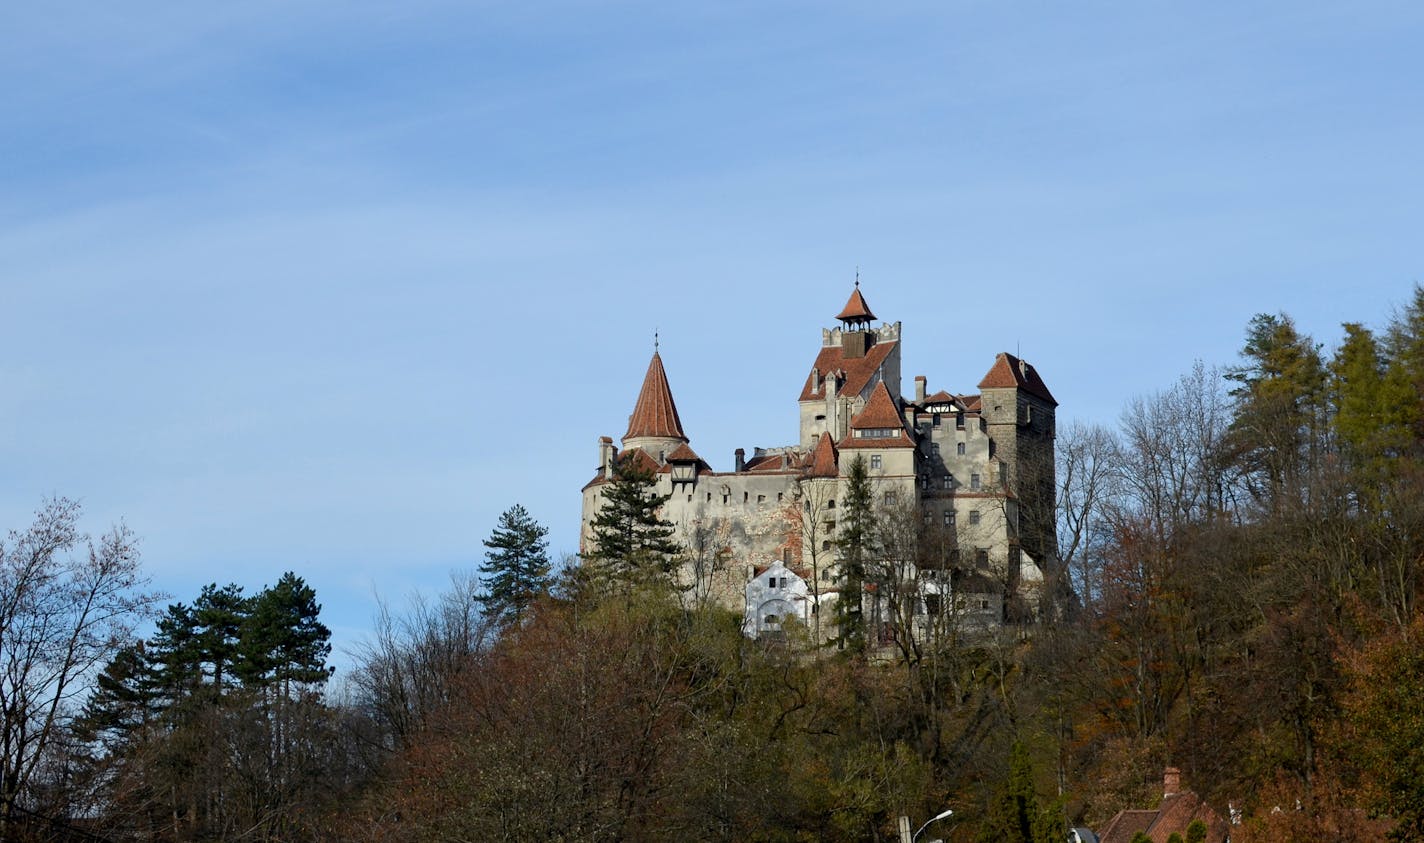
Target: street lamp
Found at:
935, 818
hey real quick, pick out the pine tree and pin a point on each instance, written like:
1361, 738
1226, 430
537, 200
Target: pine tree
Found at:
283, 640
855, 543
1276, 433
516, 568
630, 541
1016, 816
219, 614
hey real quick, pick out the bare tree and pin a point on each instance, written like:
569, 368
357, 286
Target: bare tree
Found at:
1086, 455
811, 513
408, 671
67, 604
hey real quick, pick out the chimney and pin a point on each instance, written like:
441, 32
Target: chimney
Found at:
815, 380
605, 456
919, 389
740, 456
1171, 782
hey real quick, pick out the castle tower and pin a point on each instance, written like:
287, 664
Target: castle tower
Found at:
654, 425
1018, 411
853, 359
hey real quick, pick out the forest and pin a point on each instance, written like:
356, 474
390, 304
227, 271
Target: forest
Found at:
1237, 596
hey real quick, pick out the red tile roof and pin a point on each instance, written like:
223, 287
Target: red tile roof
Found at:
1123, 827
655, 414
940, 397
880, 411
858, 370
856, 310
1010, 372
683, 453
780, 461
824, 462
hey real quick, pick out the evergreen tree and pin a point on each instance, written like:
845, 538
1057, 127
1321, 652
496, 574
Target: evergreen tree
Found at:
218, 616
855, 542
631, 542
1016, 816
1276, 433
283, 641
516, 568
122, 701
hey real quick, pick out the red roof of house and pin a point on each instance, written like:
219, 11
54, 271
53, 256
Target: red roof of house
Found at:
1009, 372
655, 414
858, 370
856, 310
823, 459
1123, 827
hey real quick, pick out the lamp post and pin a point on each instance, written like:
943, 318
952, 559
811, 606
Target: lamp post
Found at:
935, 818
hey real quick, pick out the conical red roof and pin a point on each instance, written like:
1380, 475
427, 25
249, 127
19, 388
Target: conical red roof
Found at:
856, 310
823, 458
655, 414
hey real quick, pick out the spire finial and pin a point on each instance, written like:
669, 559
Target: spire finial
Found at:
857, 277
655, 340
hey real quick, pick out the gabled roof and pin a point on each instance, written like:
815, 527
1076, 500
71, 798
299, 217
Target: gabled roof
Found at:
655, 414
1125, 826
824, 462
1009, 372
940, 397
856, 310
880, 411
858, 370
683, 453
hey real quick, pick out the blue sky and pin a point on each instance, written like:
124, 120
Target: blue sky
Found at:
327, 286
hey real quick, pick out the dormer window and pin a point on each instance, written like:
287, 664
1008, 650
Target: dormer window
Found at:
877, 433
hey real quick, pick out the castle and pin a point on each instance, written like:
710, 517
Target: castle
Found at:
964, 485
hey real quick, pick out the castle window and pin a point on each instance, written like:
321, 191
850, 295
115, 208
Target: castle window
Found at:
746, 496
778, 497
934, 446
771, 582
959, 449
936, 419
825, 545
981, 559
875, 461
928, 518
830, 504
974, 482
932, 604
973, 516
726, 499
949, 518
761, 498
958, 421
890, 498
949, 482
877, 433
